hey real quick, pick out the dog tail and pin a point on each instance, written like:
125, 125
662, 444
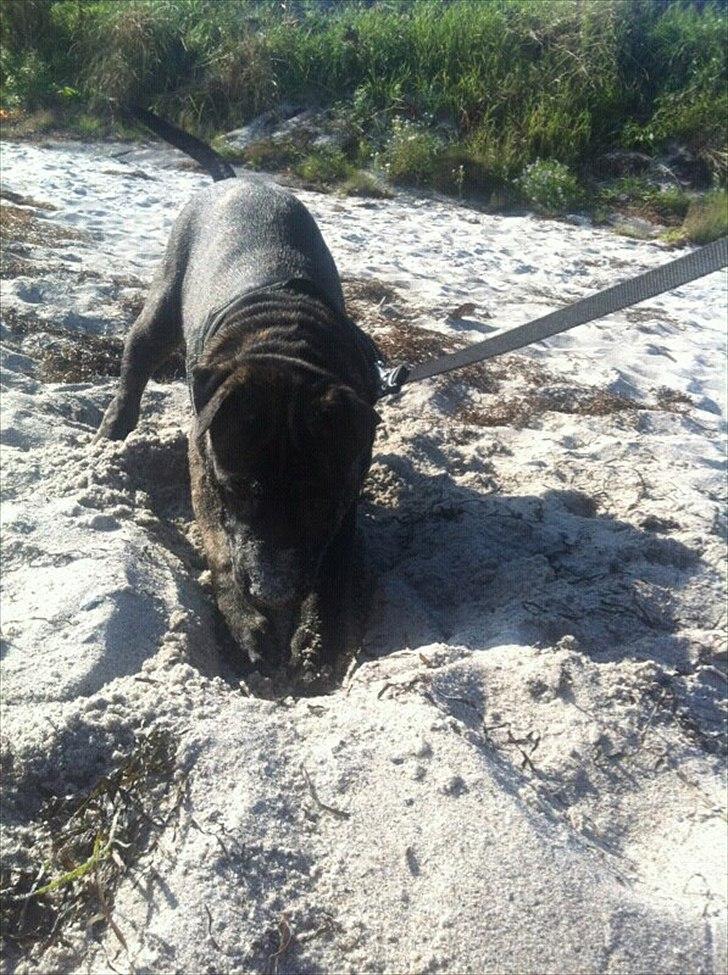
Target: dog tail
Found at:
203, 154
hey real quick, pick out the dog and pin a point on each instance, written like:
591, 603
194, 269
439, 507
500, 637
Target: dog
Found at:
283, 386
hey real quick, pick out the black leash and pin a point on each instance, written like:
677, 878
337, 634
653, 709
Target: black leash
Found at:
695, 265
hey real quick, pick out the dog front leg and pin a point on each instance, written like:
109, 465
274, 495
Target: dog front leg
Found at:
307, 641
152, 339
249, 628
336, 587
324, 628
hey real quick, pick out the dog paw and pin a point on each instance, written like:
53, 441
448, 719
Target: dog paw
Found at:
117, 424
258, 641
113, 431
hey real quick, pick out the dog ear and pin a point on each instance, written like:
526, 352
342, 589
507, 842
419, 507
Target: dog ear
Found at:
210, 388
234, 418
206, 380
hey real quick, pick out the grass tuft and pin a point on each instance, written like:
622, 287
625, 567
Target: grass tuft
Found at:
639, 196
706, 220
411, 154
550, 187
269, 154
361, 183
323, 167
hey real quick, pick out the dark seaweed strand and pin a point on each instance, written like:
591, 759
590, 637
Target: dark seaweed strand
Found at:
304, 327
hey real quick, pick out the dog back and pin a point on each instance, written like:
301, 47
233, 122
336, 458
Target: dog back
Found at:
240, 236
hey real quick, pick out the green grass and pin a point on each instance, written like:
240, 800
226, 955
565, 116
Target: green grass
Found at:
639, 195
362, 183
632, 231
35, 123
87, 126
70, 122
462, 96
324, 167
550, 187
706, 220
411, 153
232, 154
265, 154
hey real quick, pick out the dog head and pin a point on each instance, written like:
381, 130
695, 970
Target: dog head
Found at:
287, 451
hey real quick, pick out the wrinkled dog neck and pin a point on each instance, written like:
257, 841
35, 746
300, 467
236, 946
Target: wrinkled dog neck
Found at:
298, 327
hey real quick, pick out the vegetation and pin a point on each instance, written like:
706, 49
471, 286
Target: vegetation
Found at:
550, 187
706, 220
87, 844
362, 183
325, 166
667, 204
458, 94
411, 153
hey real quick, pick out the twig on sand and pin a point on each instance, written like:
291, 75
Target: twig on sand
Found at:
285, 936
642, 491
108, 960
646, 726
33, 891
215, 836
338, 813
327, 926
107, 911
210, 935
464, 700
533, 738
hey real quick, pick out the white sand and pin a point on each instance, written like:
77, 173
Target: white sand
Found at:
527, 756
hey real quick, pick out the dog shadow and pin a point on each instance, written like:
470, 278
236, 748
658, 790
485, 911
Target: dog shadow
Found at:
457, 565
438, 561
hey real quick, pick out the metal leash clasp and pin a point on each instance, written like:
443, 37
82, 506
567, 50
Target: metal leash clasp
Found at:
392, 380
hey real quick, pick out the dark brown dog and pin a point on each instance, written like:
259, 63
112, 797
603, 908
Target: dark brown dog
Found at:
283, 386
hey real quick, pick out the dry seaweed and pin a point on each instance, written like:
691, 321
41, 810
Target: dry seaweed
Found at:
22, 225
88, 843
519, 411
64, 356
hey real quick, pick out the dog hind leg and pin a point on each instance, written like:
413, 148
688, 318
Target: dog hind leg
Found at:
152, 339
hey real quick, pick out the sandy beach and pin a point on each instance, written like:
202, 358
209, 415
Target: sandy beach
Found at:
524, 768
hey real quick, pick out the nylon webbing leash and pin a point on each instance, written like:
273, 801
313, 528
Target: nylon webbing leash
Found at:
669, 276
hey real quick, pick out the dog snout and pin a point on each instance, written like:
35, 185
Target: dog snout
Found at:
270, 597
270, 584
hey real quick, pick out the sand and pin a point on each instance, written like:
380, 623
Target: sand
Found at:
523, 770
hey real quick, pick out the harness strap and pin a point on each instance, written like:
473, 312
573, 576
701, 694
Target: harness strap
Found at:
695, 265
